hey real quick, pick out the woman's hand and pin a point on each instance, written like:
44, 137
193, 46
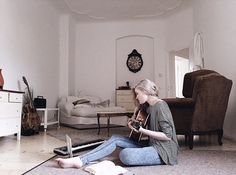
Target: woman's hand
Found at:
130, 120
133, 125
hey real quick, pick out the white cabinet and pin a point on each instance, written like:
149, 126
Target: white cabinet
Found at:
10, 113
124, 98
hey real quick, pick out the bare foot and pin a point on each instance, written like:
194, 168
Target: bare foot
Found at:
74, 162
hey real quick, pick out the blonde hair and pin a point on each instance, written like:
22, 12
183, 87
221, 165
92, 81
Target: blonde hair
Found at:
148, 87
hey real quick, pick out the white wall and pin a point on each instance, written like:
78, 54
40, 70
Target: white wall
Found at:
179, 28
215, 19
72, 65
96, 53
29, 46
179, 36
96, 50
67, 55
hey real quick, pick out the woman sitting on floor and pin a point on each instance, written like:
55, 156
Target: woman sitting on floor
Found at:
162, 147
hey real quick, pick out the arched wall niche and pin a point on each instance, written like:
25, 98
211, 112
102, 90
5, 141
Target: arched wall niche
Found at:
124, 46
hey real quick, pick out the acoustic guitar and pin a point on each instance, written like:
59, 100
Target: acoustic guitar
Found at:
142, 120
30, 119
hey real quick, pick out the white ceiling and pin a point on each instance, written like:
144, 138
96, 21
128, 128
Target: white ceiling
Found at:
103, 10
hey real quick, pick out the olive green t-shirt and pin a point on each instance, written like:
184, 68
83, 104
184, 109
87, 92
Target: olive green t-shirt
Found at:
161, 120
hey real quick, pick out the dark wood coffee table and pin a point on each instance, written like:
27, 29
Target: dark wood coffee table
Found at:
108, 115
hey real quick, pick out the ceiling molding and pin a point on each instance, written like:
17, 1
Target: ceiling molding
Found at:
102, 10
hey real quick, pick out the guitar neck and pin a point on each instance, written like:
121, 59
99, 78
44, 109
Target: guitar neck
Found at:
30, 98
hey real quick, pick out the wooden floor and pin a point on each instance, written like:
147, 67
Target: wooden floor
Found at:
19, 156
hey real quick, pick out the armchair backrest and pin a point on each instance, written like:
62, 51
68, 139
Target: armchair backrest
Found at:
189, 81
211, 93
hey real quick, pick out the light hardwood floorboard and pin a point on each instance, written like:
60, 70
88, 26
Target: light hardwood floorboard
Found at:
19, 156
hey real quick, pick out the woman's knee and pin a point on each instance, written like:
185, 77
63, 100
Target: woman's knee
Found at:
139, 156
125, 157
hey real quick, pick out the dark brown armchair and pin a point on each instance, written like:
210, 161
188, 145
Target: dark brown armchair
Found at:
203, 109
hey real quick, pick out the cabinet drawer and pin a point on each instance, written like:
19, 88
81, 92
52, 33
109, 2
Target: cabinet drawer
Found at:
10, 110
124, 92
9, 126
121, 98
3, 96
15, 97
130, 107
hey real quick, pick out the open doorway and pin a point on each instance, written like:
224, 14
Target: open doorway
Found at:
178, 67
181, 68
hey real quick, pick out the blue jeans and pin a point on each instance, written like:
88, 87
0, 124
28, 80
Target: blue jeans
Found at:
134, 153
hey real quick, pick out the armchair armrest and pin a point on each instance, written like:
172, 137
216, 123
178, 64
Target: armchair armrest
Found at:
180, 102
182, 111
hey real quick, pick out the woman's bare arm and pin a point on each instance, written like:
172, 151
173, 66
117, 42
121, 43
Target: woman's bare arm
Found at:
154, 134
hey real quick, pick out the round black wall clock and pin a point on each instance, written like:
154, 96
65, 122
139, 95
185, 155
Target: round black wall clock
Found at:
134, 61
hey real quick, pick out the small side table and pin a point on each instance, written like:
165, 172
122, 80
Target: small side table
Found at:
108, 115
45, 122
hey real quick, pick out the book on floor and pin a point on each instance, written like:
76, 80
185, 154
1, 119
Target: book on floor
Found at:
105, 167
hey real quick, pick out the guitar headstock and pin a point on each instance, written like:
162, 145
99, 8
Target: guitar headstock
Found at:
25, 81
29, 92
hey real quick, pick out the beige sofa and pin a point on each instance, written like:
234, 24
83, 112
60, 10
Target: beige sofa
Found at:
83, 110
